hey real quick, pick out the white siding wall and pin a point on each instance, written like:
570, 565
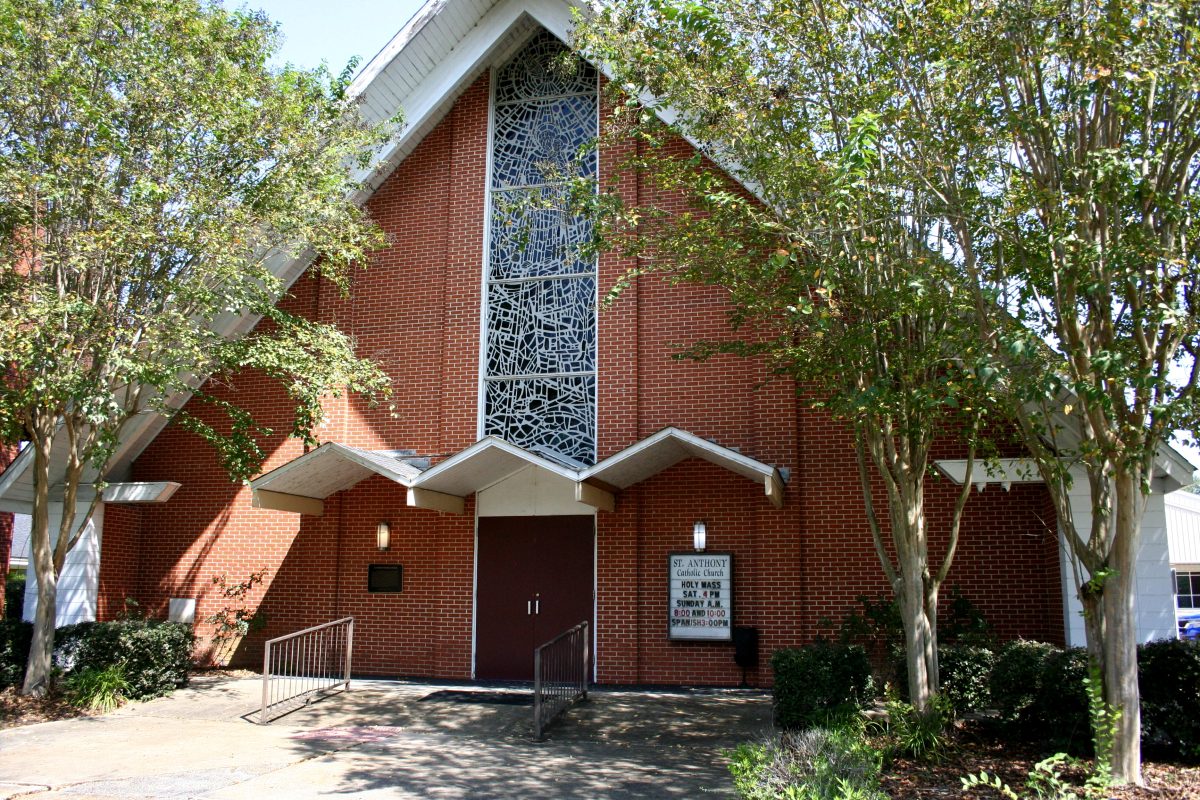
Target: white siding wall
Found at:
80, 580
1183, 528
1155, 601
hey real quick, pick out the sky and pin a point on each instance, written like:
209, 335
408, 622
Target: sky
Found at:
320, 30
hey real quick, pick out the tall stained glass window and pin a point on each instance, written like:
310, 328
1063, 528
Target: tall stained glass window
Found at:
539, 356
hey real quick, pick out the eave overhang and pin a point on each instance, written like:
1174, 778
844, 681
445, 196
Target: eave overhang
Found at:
668, 447
302, 485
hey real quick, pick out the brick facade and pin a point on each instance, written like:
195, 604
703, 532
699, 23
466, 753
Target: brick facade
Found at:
417, 312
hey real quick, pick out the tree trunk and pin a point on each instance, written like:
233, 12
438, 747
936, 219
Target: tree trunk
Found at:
918, 637
41, 650
1120, 642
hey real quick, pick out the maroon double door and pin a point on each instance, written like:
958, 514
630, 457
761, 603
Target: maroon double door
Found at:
535, 580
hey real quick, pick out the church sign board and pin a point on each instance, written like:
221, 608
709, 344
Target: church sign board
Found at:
700, 604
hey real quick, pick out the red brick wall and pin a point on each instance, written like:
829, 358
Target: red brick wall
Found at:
416, 311
120, 543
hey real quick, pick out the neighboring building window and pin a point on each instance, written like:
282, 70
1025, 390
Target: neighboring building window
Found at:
540, 322
1187, 604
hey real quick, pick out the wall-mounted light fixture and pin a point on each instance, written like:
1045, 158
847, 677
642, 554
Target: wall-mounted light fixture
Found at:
383, 535
699, 536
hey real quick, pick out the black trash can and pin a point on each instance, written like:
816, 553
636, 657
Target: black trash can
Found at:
745, 647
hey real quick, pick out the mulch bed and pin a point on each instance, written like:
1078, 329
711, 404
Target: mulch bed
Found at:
16, 710
973, 750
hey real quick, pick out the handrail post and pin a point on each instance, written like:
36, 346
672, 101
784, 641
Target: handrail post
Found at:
266, 681
308, 666
587, 658
537, 694
349, 650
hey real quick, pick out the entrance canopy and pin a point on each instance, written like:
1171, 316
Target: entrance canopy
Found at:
301, 485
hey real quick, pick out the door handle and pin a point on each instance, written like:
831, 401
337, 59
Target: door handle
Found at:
537, 606
528, 607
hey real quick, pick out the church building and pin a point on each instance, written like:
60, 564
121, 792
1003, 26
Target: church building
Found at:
549, 460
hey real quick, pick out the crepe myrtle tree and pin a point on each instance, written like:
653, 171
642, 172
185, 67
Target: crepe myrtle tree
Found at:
1051, 149
835, 266
151, 164
1082, 218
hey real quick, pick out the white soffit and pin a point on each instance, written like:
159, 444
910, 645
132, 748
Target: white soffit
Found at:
435, 57
331, 468
484, 463
1004, 470
141, 492
669, 446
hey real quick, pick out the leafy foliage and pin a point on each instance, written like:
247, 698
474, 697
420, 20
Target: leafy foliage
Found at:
155, 174
154, 657
1169, 677
97, 689
919, 734
966, 671
1033, 167
819, 682
14, 594
235, 618
15, 636
815, 764
837, 278
1045, 782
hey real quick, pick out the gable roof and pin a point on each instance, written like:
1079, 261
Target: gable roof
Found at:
422, 71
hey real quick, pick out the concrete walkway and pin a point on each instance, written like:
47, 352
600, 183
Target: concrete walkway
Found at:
387, 739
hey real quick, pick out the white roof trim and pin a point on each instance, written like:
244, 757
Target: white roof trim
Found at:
397, 43
334, 467
1170, 466
498, 460
140, 492
310, 475
1005, 471
669, 446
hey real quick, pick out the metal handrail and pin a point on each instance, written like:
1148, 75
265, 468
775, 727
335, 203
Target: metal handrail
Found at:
301, 665
560, 676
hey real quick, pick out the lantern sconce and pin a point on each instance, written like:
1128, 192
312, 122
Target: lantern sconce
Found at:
383, 536
699, 536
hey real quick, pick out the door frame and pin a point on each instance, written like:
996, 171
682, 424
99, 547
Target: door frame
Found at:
592, 645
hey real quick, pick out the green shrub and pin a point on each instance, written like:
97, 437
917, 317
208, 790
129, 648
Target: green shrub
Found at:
1169, 682
1016, 681
965, 623
15, 638
96, 689
1061, 710
964, 673
920, 736
14, 594
155, 656
814, 764
819, 682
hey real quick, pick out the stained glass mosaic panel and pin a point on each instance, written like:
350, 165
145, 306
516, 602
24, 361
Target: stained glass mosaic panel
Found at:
540, 70
543, 140
542, 327
540, 334
555, 414
530, 240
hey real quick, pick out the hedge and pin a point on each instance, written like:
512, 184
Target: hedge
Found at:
1169, 682
15, 638
155, 656
819, 682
